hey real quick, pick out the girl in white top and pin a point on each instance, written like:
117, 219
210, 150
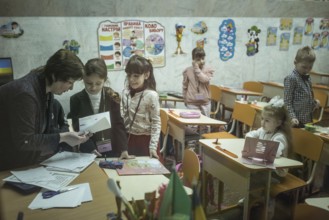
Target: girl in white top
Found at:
275, 127
140, 108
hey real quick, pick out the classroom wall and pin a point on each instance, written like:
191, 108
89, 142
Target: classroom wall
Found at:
44, 35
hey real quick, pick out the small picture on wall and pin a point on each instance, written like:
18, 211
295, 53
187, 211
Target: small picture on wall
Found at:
324, 39
309, 24
11, 30
298, 35
324, 24
271, 36
284, 41
226, 41
285, 24
316, 41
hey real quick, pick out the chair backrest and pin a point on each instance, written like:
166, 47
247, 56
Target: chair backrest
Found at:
191, 167
215, 96
323, 99
244, 113
307, 144
164, 129
253, 86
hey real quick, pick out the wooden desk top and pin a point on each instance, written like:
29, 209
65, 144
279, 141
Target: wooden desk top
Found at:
275, 84
319, 86
235, 146
203, 120
319, 74
238, 91
171, 98
103, 200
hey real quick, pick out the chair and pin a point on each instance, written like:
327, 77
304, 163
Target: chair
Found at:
253, 86
241, 113
309, 146
323, 99
190, 167
215, 97
164, 132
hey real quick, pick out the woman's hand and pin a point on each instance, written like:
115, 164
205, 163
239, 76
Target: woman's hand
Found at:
74, 138
153, 153
125, 155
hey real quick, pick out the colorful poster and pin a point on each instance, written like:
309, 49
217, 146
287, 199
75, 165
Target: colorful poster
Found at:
284, 41
324, 24
253, 43
316, 41
226, 41
271, 36
285, 24
298, 35
309, 24
118, 41
11, 30
324, 39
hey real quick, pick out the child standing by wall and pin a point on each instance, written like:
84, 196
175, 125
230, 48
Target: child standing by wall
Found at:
140, 108
96, 98
196, 80
298, 93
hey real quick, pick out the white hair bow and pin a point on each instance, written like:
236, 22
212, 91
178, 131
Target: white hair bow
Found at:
276, 101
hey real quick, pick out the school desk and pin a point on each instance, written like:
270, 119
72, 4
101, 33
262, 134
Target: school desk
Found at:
272, 89
169, 98
230, 95
177, 125
323, 88
103, 200
232, 172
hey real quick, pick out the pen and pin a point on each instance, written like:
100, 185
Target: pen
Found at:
226, 151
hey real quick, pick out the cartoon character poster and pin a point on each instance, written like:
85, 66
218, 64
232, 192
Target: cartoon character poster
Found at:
118, 41
285, 24
324, 24
199, 28
308, 29
226, 41
11, 30
253, 43
271, 36
298, 35
316, 40
284, 41
324, 39
71, 45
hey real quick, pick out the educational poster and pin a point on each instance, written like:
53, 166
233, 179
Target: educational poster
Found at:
309, 24
118, 41
11, 30
284, 41
271, 36
226, 41
253, 43
324, 24
316, 41
285, 24
324, 39
199, 29
298, 35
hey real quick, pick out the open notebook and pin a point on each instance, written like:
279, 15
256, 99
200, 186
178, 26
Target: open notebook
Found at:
259, 152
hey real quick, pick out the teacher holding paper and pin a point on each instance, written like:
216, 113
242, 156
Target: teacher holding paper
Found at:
26, 111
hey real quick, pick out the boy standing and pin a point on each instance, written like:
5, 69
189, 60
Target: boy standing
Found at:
196, 80
298, 93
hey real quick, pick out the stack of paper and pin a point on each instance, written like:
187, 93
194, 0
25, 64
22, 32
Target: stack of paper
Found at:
69, 161
67, 199
42, 177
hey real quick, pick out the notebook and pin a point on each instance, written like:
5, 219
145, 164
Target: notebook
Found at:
259, 152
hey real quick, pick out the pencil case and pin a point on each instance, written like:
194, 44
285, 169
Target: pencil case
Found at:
190, 114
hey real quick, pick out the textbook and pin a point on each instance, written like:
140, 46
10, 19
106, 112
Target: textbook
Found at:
95, 123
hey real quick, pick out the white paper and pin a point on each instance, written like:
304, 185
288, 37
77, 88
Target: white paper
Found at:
34, 174
69, 161
60, 180
95, 123
67, 199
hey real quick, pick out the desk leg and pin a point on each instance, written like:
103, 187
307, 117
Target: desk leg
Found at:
267, 193
178, 134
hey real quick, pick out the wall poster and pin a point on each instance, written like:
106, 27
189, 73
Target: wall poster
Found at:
118, 41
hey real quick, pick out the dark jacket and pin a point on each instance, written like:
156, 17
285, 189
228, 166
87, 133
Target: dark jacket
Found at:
24, 117
58, 122
80, 106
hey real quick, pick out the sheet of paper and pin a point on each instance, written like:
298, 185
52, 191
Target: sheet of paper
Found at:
69, 161
68, 199
95, 123
34, 174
